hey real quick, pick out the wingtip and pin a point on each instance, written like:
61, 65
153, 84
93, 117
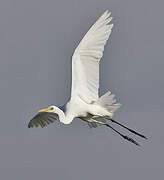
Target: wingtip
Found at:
30, 125
106, 13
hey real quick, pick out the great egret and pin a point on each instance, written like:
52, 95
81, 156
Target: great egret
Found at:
85, 102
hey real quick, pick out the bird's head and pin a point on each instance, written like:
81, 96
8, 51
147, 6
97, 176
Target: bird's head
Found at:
51, 109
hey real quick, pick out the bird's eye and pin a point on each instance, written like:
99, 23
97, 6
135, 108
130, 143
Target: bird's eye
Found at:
51, 108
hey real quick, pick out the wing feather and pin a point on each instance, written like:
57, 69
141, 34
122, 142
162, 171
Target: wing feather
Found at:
86, 58
42, 119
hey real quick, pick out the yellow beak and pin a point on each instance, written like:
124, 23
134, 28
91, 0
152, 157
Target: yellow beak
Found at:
45, 110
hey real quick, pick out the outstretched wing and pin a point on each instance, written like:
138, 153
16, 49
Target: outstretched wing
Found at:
42, 119
86, 58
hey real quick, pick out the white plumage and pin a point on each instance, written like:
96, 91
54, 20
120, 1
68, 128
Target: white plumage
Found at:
85, 102
85, 73
86, 58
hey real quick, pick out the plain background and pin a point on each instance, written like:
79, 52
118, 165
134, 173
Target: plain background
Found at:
37, 39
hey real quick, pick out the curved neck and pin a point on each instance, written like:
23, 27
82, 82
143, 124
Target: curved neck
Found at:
64, 118
60, 113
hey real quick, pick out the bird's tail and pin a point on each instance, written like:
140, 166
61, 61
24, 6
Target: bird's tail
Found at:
109, 102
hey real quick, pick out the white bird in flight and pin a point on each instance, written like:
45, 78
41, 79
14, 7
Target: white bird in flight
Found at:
85, 102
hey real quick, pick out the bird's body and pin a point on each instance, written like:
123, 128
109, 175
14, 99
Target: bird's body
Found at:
76, 107
85, 72
85, 102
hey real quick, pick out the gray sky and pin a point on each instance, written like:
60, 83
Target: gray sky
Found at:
37, 39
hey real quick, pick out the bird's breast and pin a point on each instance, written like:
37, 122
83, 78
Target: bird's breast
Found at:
75, 108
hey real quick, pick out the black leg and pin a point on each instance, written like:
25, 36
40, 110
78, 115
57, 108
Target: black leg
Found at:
125, 137
131, 130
